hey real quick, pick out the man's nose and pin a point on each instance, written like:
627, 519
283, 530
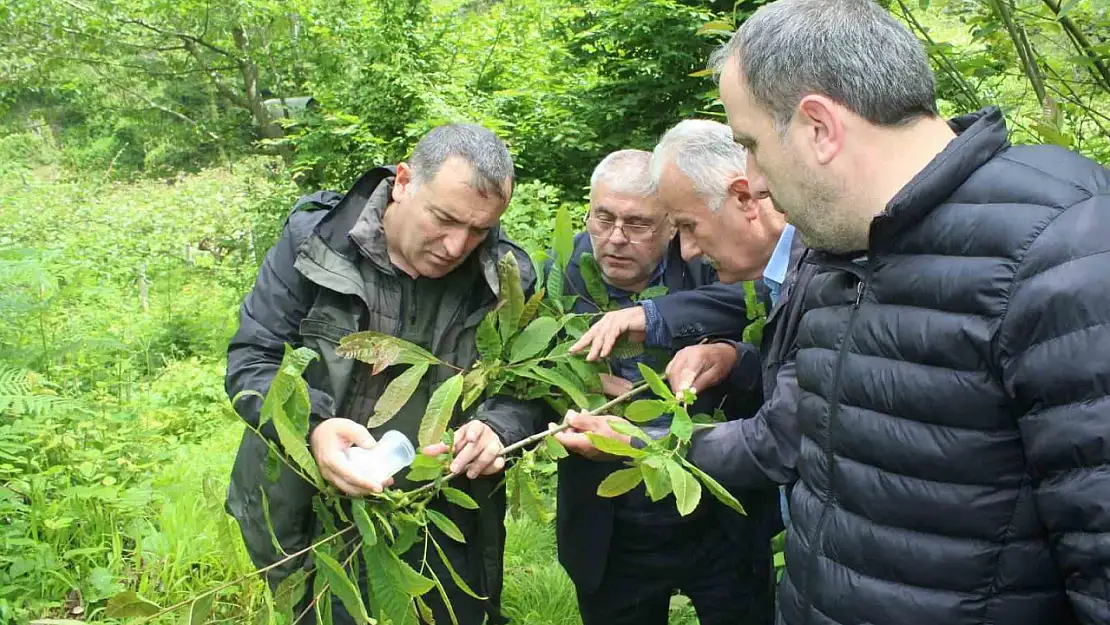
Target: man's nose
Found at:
455, 242
617, 236
757, 182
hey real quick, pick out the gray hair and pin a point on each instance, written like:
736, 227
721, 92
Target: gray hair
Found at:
704, 152
481, 149
852, 51
624, 171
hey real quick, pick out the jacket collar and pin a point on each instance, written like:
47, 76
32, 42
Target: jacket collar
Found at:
980, 136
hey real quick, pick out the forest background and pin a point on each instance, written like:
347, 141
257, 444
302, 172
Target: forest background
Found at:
150, 151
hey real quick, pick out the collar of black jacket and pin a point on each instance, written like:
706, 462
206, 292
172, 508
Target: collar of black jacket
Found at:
980, 136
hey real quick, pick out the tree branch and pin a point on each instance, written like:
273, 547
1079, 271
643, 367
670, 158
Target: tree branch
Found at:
1098, 66
1024, 50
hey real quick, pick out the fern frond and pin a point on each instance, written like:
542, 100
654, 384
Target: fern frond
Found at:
19, 395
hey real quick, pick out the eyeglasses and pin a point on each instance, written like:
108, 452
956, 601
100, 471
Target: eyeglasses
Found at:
603, 227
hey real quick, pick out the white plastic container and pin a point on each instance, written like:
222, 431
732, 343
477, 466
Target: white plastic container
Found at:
392, 453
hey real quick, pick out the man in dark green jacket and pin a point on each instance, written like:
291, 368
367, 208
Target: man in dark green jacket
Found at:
411, 252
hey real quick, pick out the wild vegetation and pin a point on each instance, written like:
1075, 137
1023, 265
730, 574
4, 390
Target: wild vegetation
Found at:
145, 169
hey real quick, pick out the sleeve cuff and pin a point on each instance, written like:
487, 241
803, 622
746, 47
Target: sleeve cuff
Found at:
657, 332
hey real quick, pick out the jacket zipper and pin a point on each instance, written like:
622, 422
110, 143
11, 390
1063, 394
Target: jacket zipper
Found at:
834, 412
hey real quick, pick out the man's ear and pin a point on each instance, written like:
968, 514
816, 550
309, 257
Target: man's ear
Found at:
739, 196
820, 119
402, 183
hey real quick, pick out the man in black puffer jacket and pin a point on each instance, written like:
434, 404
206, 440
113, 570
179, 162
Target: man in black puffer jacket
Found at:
954, 356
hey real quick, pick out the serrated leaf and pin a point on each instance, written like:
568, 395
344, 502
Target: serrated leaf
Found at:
198, 611
715, 488
446, 525
487, 339
510, 303
408, 530
687, 489
564, 237
290, 592
364, 522
585, 372
532, 307
459, 498
555, 287
556, 379
655, 382
657, 481
595, 284
459, 581
626, 428
534, 339
129, 604
391, 602
425, 611
382, 350
397, 394
614, 447
474, 384
682, 426
554, 449
410, 581
620, 482
645, 410
652, 291
441, 407
273, 465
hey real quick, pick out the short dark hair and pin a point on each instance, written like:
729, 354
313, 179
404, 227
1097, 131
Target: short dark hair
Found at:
477, 145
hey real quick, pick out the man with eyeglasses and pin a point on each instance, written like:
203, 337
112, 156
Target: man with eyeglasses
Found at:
627, 555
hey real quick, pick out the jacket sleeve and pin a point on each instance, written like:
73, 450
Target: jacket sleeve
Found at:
714, 310
1054, 350
269, 318
758, 452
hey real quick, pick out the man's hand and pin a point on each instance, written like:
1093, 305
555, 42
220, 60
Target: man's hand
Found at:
699, 367
575, 439
601, 337
477, 450
329, 443
615, 386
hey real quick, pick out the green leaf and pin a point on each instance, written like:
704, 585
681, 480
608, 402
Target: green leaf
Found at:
682, 426
459, 498
715, 28
397, 394
554, 378
595, 284
408, 530
391, 602
424, 468
584, 371
687, 489
425, 611
657, 481
511, 298
614, 447
532, 307
564, 238
651, 292
290, 592
364, 522
626, 428
198, 611
446, 525
410, 581
1066, 8
620, 482
441, 407
383, 350
645, 410
474, 384
655, 382
487, 339
273, 465
459, 581
129, 604
715, 488
555, 287
534, 339
554, 449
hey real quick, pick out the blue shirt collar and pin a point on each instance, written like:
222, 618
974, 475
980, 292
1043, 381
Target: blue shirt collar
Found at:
779, 263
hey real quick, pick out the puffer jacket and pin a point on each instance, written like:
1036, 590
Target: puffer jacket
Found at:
955, 401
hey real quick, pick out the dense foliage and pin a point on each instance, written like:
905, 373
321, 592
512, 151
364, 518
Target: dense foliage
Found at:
143, 175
